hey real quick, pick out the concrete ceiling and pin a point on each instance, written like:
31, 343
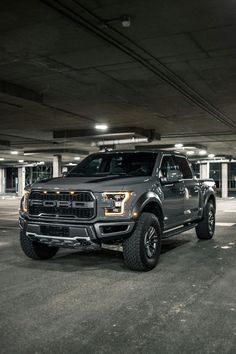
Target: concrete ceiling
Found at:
66, 65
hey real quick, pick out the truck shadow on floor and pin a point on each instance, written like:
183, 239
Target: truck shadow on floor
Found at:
75, 261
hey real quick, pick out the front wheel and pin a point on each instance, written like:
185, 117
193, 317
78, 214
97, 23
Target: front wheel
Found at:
142, 249
206, 227
36, 250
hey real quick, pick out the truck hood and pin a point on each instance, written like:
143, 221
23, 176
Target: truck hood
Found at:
95, 184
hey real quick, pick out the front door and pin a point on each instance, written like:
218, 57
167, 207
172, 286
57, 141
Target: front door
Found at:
191, 189
173, 203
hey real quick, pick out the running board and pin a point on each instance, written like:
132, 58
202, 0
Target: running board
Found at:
179, 230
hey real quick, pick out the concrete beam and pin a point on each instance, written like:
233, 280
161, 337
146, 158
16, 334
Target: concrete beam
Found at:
56, 151
4, 143
20, 92
66, 134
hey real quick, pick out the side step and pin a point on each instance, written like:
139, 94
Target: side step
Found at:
178, 230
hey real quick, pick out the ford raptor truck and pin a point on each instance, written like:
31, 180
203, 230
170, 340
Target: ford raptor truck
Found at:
132, 198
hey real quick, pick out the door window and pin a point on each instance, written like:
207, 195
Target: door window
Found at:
183, 166
167, 165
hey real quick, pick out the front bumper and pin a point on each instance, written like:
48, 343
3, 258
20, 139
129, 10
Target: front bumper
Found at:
75, 235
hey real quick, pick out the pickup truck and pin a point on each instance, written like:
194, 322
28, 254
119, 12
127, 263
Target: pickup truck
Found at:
132, 198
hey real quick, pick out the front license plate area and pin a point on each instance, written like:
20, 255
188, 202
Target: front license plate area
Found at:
59, 231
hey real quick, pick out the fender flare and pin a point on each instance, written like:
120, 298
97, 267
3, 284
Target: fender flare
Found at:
145, 199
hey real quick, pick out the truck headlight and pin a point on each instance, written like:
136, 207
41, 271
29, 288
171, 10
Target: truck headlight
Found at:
118, 200
25, 201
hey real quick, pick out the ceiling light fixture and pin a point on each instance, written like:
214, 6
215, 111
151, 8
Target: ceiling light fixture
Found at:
179, 146
71, 164
20, 161
2, 159
126, 21
14, 152
211, 156
101, 126
190, 152
202, 152
76, 158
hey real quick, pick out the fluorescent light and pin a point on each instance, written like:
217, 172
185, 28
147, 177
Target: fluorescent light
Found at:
178, 146
77, 158
14, 152
190, 152
202, 152
2, 159
211, 156
101, 126
72, 164
21, 161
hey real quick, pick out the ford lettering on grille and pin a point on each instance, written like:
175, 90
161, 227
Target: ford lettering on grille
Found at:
64, 204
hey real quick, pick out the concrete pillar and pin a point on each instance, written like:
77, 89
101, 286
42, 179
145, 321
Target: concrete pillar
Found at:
2, 180
21, 180
224, 177
57, 166
205, 170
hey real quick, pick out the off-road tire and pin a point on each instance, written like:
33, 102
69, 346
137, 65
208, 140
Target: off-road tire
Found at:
206, 227
36, 250
135, 247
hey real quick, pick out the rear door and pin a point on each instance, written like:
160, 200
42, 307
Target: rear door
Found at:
191, 189
173, 204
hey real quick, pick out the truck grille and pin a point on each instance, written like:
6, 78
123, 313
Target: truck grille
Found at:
79, 205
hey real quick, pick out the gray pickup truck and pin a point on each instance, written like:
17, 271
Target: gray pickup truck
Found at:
132, 198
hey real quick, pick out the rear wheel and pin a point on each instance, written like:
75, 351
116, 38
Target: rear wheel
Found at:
206, 227
142, 249
36, 250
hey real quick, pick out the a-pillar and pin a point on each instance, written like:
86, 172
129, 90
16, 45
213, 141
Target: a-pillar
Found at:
204, 170
21, 180
2, 180
56, 165
224, 177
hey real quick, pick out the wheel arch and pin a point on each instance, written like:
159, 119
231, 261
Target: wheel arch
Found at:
210, 198
150, 203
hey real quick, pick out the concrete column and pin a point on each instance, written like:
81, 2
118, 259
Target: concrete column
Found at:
224, 177
2, 180
57, 166
204, 170
21, 180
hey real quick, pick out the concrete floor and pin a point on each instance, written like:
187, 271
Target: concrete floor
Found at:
90, 303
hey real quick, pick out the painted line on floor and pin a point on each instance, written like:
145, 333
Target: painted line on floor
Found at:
227, 224
229, 211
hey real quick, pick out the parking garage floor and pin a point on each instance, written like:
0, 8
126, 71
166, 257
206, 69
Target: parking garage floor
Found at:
88, 302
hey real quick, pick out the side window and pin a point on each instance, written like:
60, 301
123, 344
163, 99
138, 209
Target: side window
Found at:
167, 165
183, 166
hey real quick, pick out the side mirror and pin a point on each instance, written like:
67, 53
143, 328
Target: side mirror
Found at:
173, 176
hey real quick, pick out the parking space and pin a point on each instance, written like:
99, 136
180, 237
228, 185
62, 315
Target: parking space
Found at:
87, 301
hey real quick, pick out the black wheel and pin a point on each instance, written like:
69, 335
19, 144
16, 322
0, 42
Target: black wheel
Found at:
142, 249
206, 227
36, 250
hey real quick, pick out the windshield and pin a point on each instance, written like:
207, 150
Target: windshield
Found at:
116, 164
